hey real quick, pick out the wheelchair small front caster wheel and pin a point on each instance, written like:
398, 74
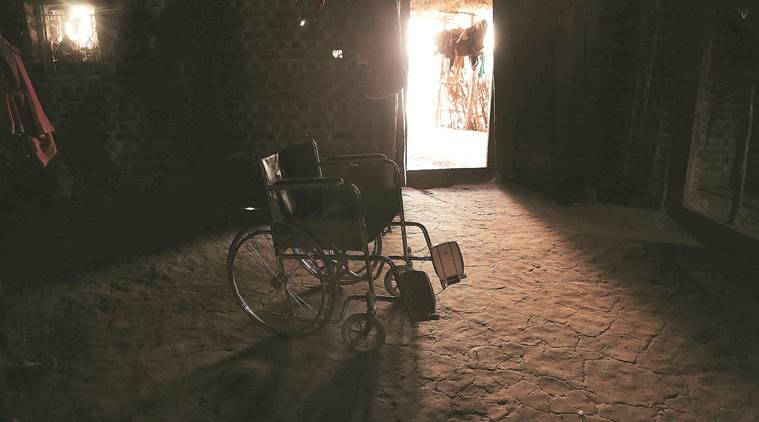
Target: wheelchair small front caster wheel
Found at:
363, 333
391, 281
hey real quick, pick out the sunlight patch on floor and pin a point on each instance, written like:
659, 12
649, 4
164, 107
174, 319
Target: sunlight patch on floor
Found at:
441, 148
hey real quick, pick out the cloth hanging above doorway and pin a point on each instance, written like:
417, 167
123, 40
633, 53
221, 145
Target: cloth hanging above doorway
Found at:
382, 47
21, 114
464, 93
462, 42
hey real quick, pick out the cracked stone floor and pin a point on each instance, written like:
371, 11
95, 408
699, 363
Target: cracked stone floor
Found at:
582, 313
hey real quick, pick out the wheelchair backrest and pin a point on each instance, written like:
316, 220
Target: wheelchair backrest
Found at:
300, 160
294, 161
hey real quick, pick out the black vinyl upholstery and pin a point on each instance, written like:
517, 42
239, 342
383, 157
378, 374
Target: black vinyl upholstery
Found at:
334, 207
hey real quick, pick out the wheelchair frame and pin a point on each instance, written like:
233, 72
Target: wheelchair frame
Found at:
335, 270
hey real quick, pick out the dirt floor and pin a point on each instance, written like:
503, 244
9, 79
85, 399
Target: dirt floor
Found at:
443, 148
582, 313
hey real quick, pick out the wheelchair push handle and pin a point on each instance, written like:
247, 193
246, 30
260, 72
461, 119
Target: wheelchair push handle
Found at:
309, 181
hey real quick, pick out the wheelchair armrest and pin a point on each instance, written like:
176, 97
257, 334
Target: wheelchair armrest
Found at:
358, 157
376, 171
316, 198
314, 184
311, 180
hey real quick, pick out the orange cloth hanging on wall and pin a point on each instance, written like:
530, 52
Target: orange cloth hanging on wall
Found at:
21, 114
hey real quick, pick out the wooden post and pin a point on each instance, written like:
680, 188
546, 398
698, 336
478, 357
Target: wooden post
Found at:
441, 85
473, 93
741, 162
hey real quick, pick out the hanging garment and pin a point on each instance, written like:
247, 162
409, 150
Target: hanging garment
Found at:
472, 40
462, 42
445, 42
9, 82
382, 48
21, 114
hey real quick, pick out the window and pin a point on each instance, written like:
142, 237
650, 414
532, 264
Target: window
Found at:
71, 34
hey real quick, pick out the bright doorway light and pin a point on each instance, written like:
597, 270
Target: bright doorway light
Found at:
448, 105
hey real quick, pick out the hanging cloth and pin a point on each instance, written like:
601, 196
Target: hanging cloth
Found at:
9, 86
21, 114
468, 42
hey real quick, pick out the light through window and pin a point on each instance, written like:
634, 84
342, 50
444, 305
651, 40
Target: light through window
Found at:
72, 33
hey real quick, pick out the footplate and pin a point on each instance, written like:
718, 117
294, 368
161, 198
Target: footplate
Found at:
417, 295
448, 263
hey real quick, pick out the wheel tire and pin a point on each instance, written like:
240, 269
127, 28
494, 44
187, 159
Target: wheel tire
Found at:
273, 287
360, 337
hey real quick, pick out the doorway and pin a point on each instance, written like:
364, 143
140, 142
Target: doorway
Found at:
722, 177
449, 84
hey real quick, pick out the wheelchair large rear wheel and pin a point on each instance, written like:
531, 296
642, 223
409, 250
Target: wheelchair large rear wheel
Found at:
271, 284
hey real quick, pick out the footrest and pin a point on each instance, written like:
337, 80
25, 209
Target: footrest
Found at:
417, 295
448, 263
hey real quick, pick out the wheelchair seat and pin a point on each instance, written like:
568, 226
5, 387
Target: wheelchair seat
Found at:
324, 212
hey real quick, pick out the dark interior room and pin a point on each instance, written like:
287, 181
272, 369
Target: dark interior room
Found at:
379, 210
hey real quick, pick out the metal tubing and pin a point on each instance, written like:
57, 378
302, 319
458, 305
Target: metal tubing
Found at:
410, 258
420, 226
346, 303
399, 186
356, 157
370, 295
402, 214
381, 258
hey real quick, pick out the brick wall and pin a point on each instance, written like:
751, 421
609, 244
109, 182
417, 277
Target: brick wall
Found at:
617, 65
627, 96
296, 86
184, 84
636, 70
669, 103
731, 69
643, 99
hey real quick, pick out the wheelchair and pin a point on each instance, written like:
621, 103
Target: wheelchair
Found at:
327, 220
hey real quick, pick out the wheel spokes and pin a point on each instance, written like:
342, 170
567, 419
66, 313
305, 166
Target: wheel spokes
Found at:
269, 270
